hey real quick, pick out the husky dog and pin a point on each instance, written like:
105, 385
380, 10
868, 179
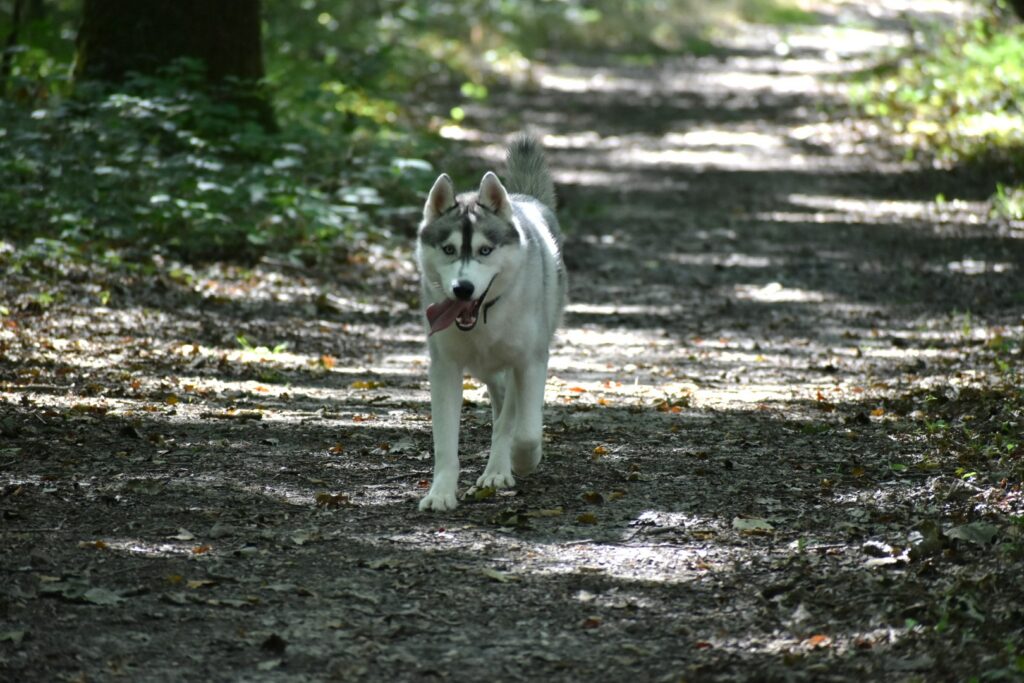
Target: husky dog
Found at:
494, 287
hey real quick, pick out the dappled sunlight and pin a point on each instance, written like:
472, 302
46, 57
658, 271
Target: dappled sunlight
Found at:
595, 178
780, 429
737, 160
775, 292
666, 565
718, 137
969, 266
148, 548
955, 211
725, 260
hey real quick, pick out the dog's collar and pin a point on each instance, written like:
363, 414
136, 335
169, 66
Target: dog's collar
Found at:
487, 306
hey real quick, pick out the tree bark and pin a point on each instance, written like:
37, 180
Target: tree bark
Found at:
12, 42
1018, 7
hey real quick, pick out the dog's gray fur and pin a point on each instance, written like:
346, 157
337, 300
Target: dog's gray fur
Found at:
505, 247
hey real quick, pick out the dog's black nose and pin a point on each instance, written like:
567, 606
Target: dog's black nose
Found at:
463, 289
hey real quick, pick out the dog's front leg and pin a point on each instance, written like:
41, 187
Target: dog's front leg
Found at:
445, 405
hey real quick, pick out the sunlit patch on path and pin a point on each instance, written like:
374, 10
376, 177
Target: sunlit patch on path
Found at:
759, 454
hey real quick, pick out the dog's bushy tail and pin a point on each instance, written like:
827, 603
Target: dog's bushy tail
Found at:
528, 171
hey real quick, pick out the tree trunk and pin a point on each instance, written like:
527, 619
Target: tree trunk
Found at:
1018, 7
121, 36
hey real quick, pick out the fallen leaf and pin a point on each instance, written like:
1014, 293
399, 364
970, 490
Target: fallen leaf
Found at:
200, 583
220, 530
818, 641
302, 537
500, 577
587, 518
327, 500
980, 533
484, 493
593, 497
600, 450
752, 525
175, 598
101, 596
551, 512
512, 518
15, 636
201, 549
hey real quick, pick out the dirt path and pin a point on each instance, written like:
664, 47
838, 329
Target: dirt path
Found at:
736, 486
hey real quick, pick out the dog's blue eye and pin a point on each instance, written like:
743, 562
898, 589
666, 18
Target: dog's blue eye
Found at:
484, 251
448, 249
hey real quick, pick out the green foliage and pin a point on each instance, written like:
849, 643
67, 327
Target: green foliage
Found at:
960, 93
163, 164
179, 171
975, 429
958, 96
1008, 202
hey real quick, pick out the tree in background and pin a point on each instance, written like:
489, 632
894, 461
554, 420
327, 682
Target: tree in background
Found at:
118, 38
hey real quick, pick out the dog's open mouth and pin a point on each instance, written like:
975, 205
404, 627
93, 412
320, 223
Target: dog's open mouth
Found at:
462, 313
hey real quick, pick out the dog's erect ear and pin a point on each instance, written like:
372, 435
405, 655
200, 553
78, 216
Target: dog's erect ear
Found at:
440, 199
493, 195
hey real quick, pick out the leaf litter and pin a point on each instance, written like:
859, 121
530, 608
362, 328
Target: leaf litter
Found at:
814, 480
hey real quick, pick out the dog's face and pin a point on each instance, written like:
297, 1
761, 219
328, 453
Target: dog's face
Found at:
469, 245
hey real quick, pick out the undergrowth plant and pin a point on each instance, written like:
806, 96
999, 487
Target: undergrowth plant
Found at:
360, 89
958, 96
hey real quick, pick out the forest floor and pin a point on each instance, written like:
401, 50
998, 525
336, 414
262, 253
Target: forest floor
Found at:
780, 436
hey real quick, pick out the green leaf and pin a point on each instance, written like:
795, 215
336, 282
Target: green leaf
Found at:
102, 596
980, 533
500, 577
752, 525
484, 493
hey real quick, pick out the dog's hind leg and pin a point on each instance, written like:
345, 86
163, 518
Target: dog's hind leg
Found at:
529, 397
498, 473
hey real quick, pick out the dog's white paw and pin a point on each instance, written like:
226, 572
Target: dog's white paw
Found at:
500, 480
438, 502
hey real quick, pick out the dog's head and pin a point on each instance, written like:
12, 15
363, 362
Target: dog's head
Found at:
469, 249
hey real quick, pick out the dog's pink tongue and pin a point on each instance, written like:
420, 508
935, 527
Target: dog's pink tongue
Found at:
443, 314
